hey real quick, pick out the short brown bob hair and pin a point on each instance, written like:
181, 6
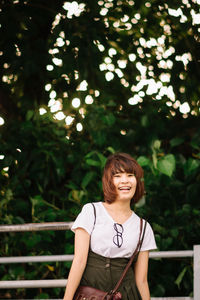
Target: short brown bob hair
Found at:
121, 162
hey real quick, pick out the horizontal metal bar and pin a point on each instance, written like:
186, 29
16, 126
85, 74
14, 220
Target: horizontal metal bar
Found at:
49, 283
171, 254
33, 259
172, 298
154, 298
36, 227
160, 298
69, 257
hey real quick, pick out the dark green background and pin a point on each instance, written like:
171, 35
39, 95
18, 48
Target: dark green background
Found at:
47, 177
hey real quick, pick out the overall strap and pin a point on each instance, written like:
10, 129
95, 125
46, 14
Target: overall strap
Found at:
145, 225
137, 250
95, 215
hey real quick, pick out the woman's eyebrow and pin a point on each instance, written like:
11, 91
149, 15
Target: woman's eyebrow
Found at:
122, 171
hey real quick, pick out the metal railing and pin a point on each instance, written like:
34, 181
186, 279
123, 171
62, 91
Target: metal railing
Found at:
51, 283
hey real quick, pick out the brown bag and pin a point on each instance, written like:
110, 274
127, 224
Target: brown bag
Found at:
90, 293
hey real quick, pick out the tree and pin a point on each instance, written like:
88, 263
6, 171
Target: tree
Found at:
81, 80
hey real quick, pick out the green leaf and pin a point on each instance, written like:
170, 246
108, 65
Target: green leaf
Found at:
87, 178
176, 141
157, 144
76, 195
42, 296
71, 185
144, 121
141, 202
109, 119
36, 200
159, 290
33, 240
143, 161
166, 243
92, 162
89, 154
167, 164
174, 232
160, 229
180, 277
195, 144
29, 115
111, 150
154, 158
191, 165
102, 159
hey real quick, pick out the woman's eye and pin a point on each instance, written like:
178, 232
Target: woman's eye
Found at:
130, 175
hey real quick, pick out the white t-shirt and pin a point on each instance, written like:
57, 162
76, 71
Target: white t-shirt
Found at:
103, 232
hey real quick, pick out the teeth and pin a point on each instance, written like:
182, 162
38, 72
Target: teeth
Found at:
125, 188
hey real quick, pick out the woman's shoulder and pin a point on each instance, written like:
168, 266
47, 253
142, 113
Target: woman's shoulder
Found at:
149, 239
85, 218
90, 205
136, 218
97, 209
99, 203
87, 208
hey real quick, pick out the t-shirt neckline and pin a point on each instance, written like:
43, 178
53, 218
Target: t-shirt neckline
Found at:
110, 217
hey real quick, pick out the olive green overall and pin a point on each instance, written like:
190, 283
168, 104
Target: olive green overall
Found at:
103, 273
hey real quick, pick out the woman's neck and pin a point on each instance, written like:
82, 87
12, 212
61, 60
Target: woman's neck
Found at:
120, 212
121, 206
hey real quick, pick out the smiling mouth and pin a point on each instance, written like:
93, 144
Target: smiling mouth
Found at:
125, 188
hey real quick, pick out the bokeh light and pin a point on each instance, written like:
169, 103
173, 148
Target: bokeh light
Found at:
1, 121
76, 102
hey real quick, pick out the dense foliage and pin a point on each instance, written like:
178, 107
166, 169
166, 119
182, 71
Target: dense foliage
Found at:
81, 80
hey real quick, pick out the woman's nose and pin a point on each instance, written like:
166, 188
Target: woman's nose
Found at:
124, 178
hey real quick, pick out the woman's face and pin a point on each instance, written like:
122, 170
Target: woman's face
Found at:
125, 184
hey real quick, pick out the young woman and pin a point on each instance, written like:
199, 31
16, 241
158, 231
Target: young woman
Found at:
103, 247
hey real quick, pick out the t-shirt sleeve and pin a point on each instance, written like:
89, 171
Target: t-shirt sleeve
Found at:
85, 219
149, 242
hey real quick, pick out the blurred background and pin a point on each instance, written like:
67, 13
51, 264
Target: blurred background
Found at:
81, 80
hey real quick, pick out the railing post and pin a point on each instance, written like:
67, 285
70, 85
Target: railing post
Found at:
196, 272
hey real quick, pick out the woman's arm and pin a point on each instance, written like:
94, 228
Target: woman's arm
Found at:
141, 272
82, 241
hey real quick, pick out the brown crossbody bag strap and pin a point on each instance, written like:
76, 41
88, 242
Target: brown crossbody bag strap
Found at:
137, 250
